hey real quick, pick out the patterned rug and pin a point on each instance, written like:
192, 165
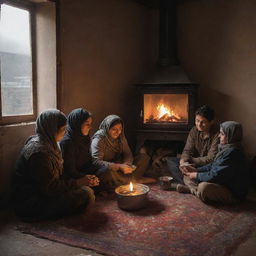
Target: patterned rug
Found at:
171, 224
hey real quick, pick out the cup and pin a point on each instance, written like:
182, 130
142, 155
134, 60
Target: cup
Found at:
165, 182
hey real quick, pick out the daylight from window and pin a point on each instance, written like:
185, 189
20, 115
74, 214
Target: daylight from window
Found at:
16, 62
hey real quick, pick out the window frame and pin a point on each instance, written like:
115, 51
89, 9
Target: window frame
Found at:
5, 120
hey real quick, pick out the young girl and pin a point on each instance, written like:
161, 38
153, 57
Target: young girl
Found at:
40, 191
75, 147
113, 157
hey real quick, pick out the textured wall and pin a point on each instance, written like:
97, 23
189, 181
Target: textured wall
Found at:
216, 43
46, 56
106, 46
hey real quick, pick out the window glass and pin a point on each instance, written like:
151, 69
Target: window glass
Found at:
16, 62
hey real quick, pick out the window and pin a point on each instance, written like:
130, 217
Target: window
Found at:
16, 64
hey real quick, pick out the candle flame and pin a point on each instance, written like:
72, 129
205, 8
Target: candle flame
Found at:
131, 186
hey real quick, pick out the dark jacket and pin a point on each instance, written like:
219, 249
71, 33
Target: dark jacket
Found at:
75, 146
77, 157
39, 188
38, 177
230, 170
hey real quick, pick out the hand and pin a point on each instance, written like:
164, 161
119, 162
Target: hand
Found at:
187, 168
183, 162
126, 169
183, 169
93, 180
186, 164
190, 168
192, 175
88, 180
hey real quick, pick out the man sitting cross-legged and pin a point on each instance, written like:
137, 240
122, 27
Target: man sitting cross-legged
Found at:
201, 145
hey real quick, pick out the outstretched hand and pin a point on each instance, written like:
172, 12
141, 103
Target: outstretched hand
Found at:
126, 169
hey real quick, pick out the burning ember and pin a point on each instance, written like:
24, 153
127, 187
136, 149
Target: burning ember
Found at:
166, 114
165, 108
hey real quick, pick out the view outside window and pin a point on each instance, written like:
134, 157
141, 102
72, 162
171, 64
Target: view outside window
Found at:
16, 62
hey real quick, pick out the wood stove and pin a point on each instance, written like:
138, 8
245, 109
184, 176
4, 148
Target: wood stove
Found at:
165, 111
167, 99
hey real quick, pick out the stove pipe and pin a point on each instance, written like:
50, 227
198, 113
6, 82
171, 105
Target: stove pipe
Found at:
168, 69
167, 34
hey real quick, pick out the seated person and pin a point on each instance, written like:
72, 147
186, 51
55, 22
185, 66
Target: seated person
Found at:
113, 157
226, 179
201, 145
39, 189
75, 147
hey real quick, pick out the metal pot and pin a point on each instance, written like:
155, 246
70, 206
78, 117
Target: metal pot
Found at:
132, 201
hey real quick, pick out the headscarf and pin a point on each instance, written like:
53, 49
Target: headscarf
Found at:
115, 144
75, 120
234, 133
47, 125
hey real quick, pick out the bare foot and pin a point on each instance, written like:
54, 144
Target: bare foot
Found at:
146, 180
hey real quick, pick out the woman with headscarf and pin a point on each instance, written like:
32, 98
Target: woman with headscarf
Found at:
112, 155
40, 191
75, 147
226, 179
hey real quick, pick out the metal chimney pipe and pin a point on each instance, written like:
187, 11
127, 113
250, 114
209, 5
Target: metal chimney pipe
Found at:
167, 33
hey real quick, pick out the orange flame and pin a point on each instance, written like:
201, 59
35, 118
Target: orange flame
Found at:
131, 186
164, 111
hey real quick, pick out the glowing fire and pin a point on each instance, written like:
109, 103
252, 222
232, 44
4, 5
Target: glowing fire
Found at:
165, 113
131, 186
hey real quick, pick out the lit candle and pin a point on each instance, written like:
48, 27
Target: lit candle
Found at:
131, 186
130, 190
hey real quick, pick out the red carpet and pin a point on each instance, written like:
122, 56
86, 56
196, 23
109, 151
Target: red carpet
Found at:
172, 224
